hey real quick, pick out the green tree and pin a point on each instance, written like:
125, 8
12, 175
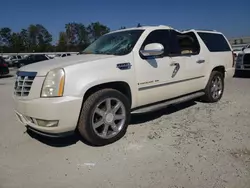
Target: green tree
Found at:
82, 35
95, 30
62, 42
25, 39
5, 36
44, 38
17, 44
32, 34
5, 39
39, 38
77, 36
71, 32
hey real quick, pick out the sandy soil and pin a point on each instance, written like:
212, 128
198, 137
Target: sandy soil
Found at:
193, 145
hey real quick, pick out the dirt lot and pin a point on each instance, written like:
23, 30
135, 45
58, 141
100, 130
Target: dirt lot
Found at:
194, 145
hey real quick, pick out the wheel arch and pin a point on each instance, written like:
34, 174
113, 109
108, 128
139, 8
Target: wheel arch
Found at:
221, 69
121, 86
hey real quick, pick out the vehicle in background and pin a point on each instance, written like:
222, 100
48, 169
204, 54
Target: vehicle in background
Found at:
4, 70
12, 59
135, 70
34, 58
246, 49
51, 56
62, 55
242, 62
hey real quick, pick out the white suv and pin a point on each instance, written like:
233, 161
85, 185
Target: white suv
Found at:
128, 71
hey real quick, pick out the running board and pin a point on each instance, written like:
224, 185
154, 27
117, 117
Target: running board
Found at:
164, 104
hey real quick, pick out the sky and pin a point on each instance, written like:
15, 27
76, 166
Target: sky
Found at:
229, 17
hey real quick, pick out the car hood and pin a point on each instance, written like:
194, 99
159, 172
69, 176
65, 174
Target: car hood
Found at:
43, 67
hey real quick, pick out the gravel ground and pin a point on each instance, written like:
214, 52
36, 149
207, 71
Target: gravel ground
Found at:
193, 145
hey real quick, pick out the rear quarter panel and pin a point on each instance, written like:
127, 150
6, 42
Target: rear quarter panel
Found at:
215, 59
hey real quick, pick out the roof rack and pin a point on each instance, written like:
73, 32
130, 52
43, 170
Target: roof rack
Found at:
165, 26
200, 29
206, 29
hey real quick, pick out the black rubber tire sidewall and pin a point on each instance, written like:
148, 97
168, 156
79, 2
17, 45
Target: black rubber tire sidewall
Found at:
208, 95
85, 121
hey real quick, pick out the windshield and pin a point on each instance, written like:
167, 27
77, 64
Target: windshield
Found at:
58, 55
118, 43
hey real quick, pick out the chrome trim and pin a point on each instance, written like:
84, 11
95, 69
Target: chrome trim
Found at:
23, 83
169, 83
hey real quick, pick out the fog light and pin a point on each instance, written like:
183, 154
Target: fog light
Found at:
46, 123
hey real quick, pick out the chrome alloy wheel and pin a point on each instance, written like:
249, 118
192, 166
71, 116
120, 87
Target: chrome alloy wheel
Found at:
109, 118
217, 87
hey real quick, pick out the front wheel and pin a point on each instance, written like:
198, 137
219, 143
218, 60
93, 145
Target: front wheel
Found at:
215, 87
104, 117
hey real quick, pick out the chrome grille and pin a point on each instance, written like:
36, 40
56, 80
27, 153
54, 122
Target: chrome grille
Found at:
23, 83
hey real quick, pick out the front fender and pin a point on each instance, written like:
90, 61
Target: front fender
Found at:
79, 80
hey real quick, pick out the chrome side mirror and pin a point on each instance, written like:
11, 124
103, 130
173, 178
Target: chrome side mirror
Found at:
152, 49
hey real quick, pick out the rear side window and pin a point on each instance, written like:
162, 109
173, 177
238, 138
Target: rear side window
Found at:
215, 42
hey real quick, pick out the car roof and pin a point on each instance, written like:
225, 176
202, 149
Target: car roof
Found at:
166, 27
143, 28
203, 31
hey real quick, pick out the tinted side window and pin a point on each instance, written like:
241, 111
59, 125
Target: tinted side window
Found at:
215, 42
158, 36
64, 55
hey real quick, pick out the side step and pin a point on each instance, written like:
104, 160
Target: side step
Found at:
164, 104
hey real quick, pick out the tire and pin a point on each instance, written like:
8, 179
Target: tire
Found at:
209, 94
94, 112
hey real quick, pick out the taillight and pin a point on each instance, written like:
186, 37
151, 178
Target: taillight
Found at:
5, 65
234, 58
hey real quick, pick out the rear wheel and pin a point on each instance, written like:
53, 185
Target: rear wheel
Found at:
104, 117
215, 87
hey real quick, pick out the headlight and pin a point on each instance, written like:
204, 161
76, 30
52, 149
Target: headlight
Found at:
53, 84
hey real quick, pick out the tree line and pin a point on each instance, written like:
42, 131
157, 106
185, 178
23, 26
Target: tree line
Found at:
36, 38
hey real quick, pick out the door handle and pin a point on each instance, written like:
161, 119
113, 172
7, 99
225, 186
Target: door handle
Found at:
174, 64
200, 61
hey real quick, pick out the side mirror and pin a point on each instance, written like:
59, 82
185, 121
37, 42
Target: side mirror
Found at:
153, 49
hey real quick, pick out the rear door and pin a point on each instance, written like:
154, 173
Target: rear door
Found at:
193, 60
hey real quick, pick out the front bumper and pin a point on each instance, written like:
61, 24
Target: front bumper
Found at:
65, 110
51, 135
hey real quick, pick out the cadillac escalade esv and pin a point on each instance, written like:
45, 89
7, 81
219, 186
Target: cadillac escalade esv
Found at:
134, 70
